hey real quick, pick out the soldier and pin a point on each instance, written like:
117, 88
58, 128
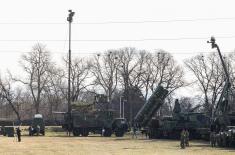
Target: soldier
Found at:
18, 132
218, 139
147, 134
38, 130
213, 139
177, 108
224, 137
186, 138
30, 130
182, 139
103, 131
134, 131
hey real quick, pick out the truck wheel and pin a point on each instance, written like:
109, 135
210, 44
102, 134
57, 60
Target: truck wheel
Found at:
76, 132
119, 133
43, 133
218, 142
107, 133
151, 134
85, 132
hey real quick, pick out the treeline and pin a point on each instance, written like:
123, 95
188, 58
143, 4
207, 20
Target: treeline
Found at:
128, 74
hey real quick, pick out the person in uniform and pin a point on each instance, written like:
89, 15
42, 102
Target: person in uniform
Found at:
38, 130
182, 139
213, 139
134, 131
103, 131
186, 138
177, 108
224, 136
147, 134
30, 131
18, 132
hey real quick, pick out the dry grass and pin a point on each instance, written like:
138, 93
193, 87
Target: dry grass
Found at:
59, 144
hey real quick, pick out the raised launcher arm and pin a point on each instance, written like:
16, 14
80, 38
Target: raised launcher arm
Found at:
147, 111
222, 104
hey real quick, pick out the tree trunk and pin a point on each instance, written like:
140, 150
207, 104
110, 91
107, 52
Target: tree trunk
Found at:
14, 109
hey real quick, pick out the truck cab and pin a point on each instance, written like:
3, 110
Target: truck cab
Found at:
37, 126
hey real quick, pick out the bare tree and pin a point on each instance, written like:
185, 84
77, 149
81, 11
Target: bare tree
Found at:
104, 68
55, 91
161, 69
25, 101
210, 77
36, 64
80, 75
7, 93
127, 65
140, 60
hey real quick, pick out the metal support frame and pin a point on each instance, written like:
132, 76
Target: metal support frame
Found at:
70, 20
224, 94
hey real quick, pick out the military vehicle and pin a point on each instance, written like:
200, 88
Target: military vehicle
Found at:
95, 122
6, 127
95, 118
8, 131
223, 121
198, 124
144, 116
37, 126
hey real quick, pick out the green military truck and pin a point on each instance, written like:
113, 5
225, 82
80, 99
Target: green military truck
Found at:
37, 126
198, 125
96, 117
6, 127
224, 128
97, 122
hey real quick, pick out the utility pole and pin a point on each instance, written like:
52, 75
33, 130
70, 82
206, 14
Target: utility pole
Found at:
70, 20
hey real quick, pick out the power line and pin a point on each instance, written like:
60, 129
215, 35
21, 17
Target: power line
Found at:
160, 21
124, 22
76, 52
119, 40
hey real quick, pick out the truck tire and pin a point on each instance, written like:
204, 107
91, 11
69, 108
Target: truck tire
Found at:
76, 132
107, 133
85, 132
119, 133
218, 141
43, 133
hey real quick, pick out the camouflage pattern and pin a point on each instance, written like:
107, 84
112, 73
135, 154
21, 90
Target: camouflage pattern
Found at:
182, 139
18, 133
186, 138
213, 139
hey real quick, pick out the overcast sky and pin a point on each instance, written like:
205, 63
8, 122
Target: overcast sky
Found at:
180, 27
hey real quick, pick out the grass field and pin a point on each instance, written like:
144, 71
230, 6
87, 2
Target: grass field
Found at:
57, 143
